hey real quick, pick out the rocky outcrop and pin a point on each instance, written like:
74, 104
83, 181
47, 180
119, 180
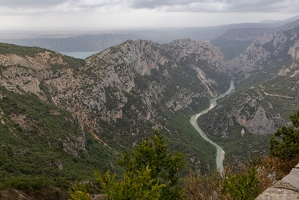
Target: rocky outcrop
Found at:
248, 109
258, 123
150, 70
133, 83
260, 52
294, 50
267, 49
287, 188
269, 77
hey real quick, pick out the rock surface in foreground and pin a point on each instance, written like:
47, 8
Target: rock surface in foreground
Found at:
286, 188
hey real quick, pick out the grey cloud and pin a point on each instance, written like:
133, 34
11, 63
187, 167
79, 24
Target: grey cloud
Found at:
218, 5
55, 6
166, 5
48, 4
30, 3
159, 3
258, 5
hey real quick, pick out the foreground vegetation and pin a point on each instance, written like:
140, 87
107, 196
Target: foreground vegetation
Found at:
151, 172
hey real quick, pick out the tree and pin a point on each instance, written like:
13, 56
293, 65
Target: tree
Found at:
151, 158
79, 191
245, 187
285, 143
138, 185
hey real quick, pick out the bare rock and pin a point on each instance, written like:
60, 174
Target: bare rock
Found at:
287, 188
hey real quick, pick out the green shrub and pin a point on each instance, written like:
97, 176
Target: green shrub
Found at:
150, 172
243, 187
79, 191
134, 186
285, 143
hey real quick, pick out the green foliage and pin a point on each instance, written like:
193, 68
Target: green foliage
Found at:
28, 184
165, 166
79, 191
285, 143
134, 186
242, 187
79, 195
150, 172
19, 50
295, 119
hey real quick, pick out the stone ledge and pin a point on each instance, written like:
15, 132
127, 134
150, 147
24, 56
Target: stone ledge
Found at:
293, 178
284, 185
286, 188
278, 194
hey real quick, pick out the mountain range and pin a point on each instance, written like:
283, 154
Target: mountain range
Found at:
62, 117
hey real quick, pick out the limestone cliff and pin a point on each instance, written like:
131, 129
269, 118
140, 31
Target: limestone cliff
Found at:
250, 109
266, 75
269, 77
123, 92
267, 49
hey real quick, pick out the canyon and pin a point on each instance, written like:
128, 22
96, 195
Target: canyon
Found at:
69, 114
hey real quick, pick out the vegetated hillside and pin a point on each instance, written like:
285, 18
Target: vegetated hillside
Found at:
42, 145
72, 114
266, 75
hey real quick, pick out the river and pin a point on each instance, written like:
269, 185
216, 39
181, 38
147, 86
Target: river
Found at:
193, 121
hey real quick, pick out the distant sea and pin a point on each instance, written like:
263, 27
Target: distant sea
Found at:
79, 54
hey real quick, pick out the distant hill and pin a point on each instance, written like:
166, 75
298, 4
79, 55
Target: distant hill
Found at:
238, 38
97, 42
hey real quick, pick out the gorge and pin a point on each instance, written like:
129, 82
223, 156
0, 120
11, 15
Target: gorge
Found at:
65, 117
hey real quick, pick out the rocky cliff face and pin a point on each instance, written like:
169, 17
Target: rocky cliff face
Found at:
121, 93
294, 50
134, 81
266, 75
267, 71
124, 91
267, 49
251, 110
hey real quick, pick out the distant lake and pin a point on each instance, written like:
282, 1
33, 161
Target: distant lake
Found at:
79, 54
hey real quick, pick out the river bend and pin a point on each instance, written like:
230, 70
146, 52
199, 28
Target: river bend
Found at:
193, 121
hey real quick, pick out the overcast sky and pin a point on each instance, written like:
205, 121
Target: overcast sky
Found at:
99, 15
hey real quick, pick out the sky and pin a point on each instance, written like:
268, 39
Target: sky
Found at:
97, 15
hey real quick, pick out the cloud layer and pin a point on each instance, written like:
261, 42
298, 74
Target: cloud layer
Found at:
165, 5
118, 14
